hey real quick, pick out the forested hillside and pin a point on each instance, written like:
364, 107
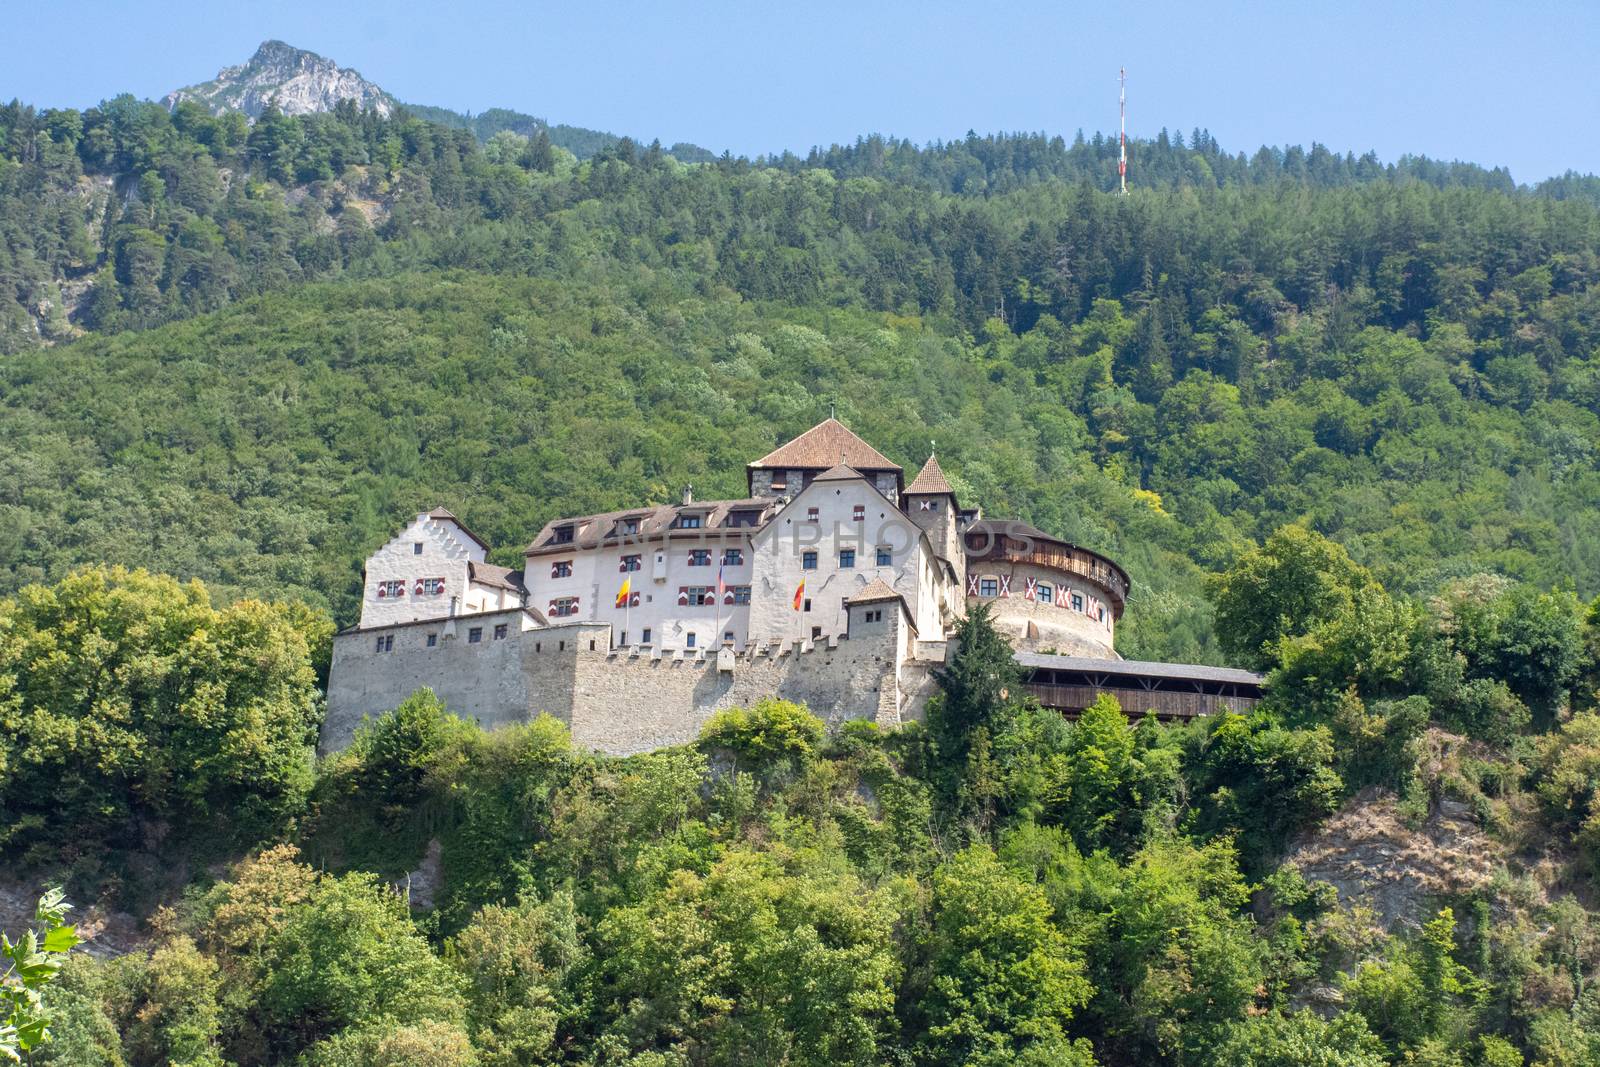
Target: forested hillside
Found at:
1338, 418
1402, 355
996, 887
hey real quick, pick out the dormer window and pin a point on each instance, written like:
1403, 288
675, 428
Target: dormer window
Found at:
688, 522
744, 518
562, 535
630, 526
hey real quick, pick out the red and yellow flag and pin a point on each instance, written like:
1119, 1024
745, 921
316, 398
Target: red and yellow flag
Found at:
623, 593
799, 594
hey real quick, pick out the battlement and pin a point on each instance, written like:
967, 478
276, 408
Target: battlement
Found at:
616, 699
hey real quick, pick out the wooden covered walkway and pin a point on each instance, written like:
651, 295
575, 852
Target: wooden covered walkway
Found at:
1175, 692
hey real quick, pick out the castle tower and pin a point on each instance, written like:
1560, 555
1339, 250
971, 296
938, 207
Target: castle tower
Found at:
789, 468
930, 504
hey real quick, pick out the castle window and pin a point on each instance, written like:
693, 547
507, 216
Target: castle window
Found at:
700, 594
847, 558
808, 561
630, 526
564, 606
688, 522
688, 639
433, 639
644, 636
844, 603
885, 556
433, 586
1043, 593
1077, 601
562, 535
816, 632
741, 594
392, 589
475, 635
700, 557
385, 643
732, 557
500, 631
630, 563
727, 637
623, 640
812, 514
988, 587
859, 513
561, 569
808, 603
927, 505
416, 548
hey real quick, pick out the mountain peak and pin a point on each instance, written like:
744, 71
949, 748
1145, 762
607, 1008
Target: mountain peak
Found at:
300, 82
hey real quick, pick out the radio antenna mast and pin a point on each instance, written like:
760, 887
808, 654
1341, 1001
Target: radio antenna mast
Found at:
1122, 142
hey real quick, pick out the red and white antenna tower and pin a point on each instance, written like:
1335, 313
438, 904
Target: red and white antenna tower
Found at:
1122, 144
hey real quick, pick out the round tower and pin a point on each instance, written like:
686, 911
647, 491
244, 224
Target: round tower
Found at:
1043, 593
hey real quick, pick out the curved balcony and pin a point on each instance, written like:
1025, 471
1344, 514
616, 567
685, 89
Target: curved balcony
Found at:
1017, 542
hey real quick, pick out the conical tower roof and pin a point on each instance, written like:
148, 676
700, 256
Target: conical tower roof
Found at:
930, 481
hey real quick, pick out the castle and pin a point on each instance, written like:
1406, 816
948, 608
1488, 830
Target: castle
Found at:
832, 583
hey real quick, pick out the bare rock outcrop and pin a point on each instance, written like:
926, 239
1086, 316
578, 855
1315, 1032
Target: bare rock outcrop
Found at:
299, 82
1369, 853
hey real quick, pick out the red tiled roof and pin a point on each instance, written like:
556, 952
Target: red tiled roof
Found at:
827, 444
930, 480
655, 522
492, 574
840, 473
877, 590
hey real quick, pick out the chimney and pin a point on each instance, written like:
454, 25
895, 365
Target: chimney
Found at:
688, 494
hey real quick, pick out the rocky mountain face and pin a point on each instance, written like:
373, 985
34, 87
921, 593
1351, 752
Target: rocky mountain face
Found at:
300, 82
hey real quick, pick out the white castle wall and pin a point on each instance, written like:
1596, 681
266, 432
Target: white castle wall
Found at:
779, 562
445, 554
596, 580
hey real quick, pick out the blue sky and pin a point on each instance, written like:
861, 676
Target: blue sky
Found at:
1494, 83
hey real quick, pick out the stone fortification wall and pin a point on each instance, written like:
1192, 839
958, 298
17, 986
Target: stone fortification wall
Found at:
483, 681
625, 702
617, 700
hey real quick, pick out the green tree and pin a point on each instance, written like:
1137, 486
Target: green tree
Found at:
770, 957
129, 697
1002, 983
517, 961
31, 963
1284, 589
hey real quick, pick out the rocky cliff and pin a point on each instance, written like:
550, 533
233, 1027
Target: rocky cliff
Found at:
300, 82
